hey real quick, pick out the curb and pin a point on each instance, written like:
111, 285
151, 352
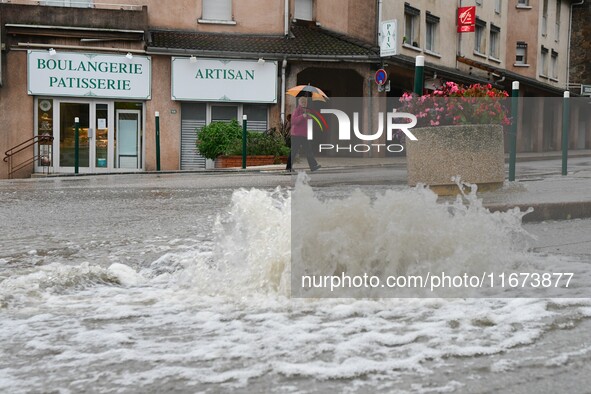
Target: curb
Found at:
548, 211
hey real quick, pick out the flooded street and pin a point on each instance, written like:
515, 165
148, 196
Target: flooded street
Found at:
178, 283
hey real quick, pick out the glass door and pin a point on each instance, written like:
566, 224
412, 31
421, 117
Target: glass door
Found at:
67, 132
127, 152
101, 136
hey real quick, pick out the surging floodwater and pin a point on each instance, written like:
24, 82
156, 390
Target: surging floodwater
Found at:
169, 291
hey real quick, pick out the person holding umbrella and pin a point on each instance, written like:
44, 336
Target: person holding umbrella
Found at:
299, 140
299, 125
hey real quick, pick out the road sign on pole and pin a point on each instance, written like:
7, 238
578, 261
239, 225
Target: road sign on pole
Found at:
381, 76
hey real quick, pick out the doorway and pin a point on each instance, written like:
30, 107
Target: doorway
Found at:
128, 139
110, 134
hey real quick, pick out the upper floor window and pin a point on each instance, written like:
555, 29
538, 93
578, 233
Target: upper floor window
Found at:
554, 65
432, 33
68, 3
521, 53
523, 3
304, 10
217, 10
411, 25
495, 39
544, 62
557, 25
479, 39
498, 6
545, 18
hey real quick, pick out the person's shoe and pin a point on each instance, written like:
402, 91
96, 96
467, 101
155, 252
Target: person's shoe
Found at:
315, 167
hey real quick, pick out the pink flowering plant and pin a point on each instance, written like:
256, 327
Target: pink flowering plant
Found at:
455, 104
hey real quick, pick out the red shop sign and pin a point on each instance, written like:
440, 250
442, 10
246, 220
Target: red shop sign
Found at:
466, 19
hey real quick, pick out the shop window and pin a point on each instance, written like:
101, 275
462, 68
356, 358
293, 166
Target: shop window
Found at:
257, 116
217, 10
304, 10
432, 33
495, 39
479, 37
68, 3
411, 26
521, 53
224, 113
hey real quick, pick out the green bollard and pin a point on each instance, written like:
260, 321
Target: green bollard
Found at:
157, 141
419, 75
513, 133
244, 119
565, 127
76, 145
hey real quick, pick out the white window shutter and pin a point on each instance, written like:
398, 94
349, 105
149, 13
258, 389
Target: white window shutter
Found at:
217, 10
304, 10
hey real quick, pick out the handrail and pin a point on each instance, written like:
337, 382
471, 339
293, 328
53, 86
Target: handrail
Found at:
46, 139
30, 142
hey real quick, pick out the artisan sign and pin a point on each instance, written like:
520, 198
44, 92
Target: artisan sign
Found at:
88, 74
224, 80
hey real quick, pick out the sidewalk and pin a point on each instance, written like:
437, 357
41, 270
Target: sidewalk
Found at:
539, 183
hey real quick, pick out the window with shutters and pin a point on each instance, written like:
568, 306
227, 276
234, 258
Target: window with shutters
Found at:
217, 11
304, 10
521, 54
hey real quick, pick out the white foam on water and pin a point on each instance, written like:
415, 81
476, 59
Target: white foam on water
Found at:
219, 314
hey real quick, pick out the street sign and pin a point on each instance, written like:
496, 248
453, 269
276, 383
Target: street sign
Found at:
381, 76
388, 42
585, 90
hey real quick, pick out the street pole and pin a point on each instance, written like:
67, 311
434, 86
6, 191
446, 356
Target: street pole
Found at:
157, 141
244, 121
76, 145
565, 127
513, 133
419, 74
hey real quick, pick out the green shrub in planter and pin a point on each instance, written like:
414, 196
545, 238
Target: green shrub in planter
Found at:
216, 138
260, 144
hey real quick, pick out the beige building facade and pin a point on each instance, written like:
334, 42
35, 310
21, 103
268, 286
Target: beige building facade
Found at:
113, 67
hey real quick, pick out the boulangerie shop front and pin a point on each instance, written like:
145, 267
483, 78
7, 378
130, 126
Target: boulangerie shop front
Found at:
106, 92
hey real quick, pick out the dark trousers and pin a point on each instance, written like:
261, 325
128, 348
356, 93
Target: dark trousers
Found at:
301, 144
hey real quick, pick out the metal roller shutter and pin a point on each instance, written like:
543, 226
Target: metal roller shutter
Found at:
192, 119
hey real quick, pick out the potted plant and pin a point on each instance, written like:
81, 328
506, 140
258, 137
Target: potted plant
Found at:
214, 139
222, 142
459, 133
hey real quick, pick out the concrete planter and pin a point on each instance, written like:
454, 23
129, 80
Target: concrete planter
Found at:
236, 161
474, 152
